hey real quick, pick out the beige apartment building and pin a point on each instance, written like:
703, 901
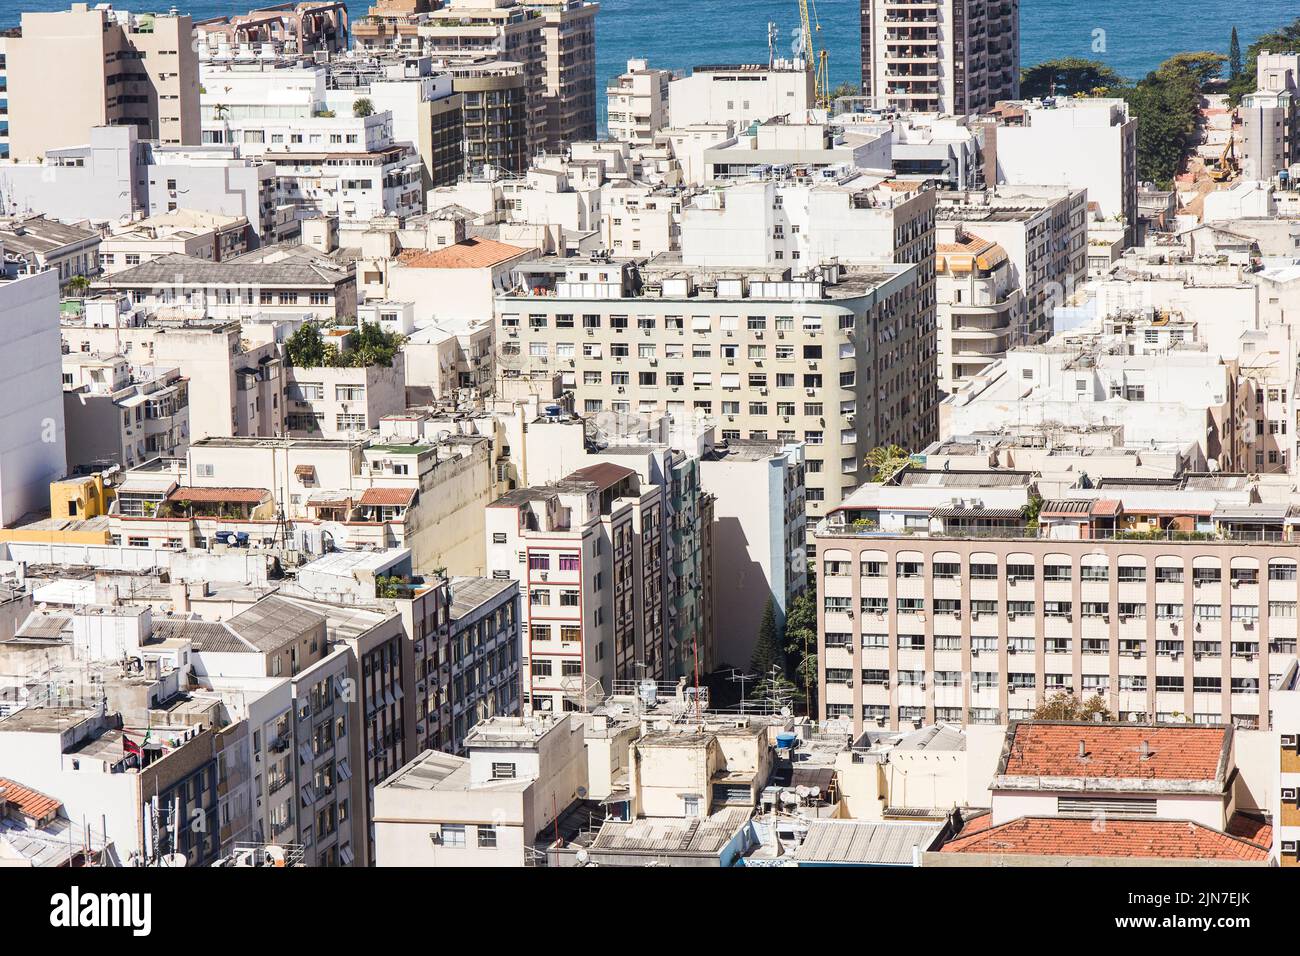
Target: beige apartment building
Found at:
835, 358
103, 67
569, 50
954, 610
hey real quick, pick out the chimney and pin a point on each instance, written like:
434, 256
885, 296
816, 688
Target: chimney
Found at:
181, 597
1145, 750
1083, 750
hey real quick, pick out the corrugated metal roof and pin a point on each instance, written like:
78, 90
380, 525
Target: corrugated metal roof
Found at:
700, 835
852, 841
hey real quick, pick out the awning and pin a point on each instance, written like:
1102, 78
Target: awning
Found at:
999, 514
252, 496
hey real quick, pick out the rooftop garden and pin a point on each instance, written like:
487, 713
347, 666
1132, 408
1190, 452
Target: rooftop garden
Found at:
370, 345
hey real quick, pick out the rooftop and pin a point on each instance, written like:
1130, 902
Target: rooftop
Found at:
476, 253
857, 842
1117, 838
1165, 752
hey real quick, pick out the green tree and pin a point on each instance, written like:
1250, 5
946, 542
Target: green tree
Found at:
1201, 67
1065, 706
1166, 105
767, 648
1067, 76
885, 461
1285, 40
363, 108
305, 348
78, 286
801, 639
1234, 56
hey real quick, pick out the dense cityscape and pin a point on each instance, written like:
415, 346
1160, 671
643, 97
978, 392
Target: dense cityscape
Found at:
409, 469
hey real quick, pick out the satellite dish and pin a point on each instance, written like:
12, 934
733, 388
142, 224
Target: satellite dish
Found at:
582, 793
581, 856
786, 711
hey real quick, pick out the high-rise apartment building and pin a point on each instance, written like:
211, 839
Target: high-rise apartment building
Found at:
590, 553
940, 56
103, 67
837, 358
569, 51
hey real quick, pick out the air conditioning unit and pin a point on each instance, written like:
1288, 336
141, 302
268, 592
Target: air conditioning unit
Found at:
1011, 616
1011, 649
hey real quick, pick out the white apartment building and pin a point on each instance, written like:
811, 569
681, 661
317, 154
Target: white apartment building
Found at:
489, 808
1044, 234
32, 431
940, 56
980, 309
341, 402
1268, 140
637, 103
117, 415
740, 95
1157, 395
839, 358
1088, 144
783, 145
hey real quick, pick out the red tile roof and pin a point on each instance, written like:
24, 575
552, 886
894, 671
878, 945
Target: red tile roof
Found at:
603, 475
30, 802
1068, 836
250, 496
1257, 830
387, 496
469, 254
1051, 749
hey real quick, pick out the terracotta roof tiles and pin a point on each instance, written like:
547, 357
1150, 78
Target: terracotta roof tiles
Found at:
1146, 839
1050, 749
468, 254
30, 802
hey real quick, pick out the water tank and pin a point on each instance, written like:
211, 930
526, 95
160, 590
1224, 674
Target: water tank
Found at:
787, 741
648, 691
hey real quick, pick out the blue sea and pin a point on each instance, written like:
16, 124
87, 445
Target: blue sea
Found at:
1131, 36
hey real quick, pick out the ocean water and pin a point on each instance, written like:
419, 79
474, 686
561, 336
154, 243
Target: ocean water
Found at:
1131, 36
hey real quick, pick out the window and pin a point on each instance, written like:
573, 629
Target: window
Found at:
503, 771
453, 836
487, 838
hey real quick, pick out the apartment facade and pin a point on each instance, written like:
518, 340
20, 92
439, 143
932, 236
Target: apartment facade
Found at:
842, 360
589, 551
637, 103
501, 30
1044, 233
569, 52
32, 425
943, 623
940, 56
980, 309
1269, 141
107, 68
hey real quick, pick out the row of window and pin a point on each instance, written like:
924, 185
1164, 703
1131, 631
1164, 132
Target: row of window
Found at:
698, 323
879, 714
992, 680
1060, 645
1102, 609
874, 568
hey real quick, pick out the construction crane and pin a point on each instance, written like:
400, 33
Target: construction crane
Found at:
815, 58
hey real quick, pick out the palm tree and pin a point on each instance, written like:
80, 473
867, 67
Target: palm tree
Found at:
362, 108
885, 461
78, 286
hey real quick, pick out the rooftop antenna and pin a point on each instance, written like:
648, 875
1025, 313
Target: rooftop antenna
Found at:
773, 31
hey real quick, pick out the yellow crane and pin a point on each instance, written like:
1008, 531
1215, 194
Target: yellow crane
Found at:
815, 56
